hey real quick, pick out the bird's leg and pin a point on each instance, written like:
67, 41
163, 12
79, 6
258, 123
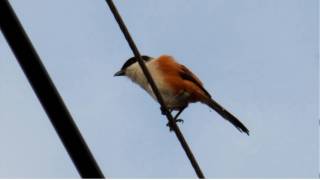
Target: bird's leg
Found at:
177, 115
175, 118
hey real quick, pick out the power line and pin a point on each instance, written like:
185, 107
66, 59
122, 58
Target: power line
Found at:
47, 93
164, 109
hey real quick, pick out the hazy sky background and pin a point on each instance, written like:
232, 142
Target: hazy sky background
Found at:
258, 58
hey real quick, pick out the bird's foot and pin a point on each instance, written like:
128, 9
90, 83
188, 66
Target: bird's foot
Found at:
175, 121
180, 121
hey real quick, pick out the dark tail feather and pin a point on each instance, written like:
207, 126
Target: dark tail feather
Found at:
228, 116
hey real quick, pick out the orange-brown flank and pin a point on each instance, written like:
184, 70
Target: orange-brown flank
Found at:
173, 72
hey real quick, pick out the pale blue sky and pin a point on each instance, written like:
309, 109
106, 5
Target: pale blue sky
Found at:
258, 58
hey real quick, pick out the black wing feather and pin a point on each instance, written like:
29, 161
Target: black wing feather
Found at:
186, 74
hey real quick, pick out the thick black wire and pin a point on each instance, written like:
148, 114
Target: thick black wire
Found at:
46, 92
155, 89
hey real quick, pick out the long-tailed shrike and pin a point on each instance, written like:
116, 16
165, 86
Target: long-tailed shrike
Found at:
177, 85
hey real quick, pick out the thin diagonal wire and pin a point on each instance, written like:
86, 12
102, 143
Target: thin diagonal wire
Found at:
172, 123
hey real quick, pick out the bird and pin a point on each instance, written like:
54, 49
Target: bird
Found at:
177, 85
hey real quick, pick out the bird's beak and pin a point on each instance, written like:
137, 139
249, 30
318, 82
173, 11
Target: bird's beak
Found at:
119, 73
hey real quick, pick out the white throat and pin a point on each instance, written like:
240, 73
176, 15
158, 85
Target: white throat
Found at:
135, 73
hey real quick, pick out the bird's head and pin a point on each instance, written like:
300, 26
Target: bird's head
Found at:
130, 63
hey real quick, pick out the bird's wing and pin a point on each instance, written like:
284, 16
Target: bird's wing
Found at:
186, 74
175, 70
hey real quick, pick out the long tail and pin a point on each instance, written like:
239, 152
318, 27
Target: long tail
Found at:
228, 116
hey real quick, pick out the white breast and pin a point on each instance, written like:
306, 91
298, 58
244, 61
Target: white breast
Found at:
135, 73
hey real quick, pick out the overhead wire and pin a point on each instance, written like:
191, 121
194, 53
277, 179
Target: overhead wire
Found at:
164, 109
47, 93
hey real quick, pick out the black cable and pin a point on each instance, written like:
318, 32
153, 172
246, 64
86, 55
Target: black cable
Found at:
46, 92
155, 89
